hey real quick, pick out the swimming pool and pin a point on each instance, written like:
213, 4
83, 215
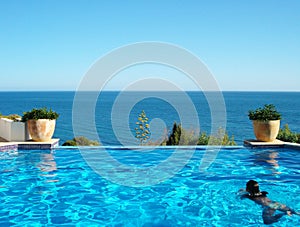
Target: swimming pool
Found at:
58, 188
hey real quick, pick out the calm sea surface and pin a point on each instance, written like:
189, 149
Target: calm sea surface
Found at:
160, 110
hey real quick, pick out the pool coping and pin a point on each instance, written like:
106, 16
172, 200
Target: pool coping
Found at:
252, 143
54, 144
29, 145
117, 147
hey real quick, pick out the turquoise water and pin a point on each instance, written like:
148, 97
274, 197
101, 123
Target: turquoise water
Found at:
58, 188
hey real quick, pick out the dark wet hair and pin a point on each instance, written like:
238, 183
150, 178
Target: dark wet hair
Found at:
252, 187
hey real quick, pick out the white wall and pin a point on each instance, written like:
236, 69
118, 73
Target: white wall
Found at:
11, 130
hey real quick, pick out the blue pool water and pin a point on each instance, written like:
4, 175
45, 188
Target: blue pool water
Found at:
58, 188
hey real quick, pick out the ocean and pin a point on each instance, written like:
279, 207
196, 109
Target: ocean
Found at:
115, 114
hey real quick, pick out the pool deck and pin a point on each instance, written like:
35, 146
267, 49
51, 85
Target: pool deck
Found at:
276, 144
28, 145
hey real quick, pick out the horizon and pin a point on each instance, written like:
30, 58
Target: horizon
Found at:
250, 91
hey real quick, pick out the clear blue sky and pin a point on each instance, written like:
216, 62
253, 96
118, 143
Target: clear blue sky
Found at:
247, 45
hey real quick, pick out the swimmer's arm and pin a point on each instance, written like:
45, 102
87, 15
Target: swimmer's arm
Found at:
242, 190
242, 193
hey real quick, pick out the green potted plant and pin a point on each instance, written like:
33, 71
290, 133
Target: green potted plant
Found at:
40, 123
266, 122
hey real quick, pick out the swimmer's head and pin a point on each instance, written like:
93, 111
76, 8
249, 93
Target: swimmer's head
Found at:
252, 187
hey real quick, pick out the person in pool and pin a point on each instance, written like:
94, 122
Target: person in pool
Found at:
269, 207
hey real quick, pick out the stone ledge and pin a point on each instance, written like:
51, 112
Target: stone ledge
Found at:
275, 144
29, 145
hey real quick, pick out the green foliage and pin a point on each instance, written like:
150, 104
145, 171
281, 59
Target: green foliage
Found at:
70, 143
41, 113
14, 117
228, 141
180, 136
162, 141
142, 131
188, 137
285, 134
81, 141
267, 113
221, 138
203, 139
174, 137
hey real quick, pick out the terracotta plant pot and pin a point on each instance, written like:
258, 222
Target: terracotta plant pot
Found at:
41, 130
266, 131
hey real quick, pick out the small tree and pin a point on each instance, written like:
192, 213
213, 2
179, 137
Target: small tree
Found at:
174, 137
142, 131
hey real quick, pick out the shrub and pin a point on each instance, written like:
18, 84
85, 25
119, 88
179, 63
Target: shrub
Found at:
267, 113
188, 137
81, 141
203, 139
228, 141
220, 138
162, 141
285, 134
41, 113
70, 143
180, 136
14, 117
